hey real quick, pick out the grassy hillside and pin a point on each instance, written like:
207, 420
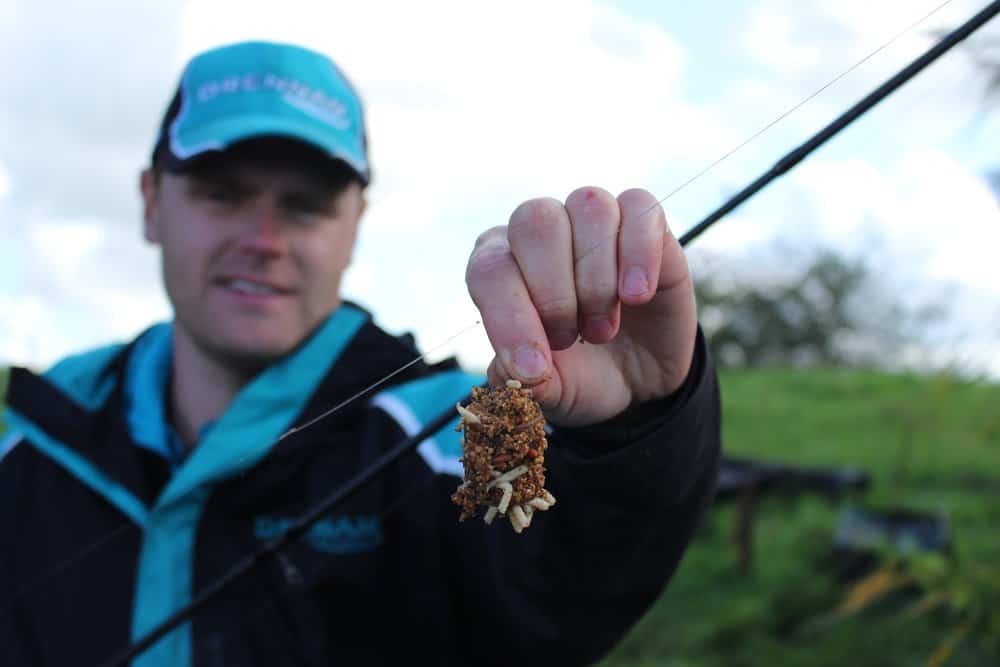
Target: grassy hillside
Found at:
929, 444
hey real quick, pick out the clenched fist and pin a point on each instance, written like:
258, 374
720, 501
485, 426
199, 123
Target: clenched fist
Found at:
589, 303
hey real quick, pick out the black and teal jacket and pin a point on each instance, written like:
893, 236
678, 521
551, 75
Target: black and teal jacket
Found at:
105, 528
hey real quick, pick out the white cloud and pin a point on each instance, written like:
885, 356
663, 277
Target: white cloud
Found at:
84, 84
935, 106
63, 247
519, 100
5, 184
928, 205
769, 40
526, 95
926, 225
527, 100
28, 329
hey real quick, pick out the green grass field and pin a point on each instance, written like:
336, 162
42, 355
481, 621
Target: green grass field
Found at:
929, 444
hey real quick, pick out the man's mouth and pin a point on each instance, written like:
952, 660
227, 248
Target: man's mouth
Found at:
253, 287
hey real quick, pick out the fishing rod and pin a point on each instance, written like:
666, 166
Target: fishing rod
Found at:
782, 166
795, 156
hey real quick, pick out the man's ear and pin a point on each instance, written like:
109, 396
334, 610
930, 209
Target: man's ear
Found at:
149, 186
362, 205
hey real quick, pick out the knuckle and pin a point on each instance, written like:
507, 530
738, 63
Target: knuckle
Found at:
536, 217
637, 197
557, 308
591, 199
640, 208
589, 195
489, 260
490, 234
596, 297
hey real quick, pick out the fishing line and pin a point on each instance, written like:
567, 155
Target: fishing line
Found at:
888, 87
792, 110
645, 212
684, 239
345, 403
391, 456
39, 581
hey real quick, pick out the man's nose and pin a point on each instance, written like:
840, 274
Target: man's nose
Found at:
263, 233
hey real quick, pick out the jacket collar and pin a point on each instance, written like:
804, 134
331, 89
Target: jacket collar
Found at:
82, 410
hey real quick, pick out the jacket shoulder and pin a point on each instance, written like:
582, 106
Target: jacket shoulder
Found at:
8, 441
414, 403
88, 377
420, 395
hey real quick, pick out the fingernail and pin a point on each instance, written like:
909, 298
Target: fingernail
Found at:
635, 282
529, 362
563, 338
599, 328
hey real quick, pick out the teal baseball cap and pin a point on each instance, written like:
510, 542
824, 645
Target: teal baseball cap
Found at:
254, 90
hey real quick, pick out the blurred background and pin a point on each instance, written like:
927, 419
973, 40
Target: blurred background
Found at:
854, 305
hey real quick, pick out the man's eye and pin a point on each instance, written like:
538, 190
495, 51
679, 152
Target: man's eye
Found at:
309, 207
222, 195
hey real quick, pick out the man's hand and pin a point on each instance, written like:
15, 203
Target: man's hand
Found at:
605, 270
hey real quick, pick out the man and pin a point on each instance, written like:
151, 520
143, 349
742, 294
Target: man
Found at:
136, 475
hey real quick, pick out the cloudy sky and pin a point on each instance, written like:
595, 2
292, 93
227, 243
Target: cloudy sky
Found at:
474, 108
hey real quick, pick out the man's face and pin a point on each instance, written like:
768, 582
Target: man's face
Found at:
253, 252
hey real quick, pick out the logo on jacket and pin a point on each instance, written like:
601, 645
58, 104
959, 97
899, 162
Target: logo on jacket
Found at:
342, 535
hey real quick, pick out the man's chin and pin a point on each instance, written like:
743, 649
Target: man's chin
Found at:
252, 357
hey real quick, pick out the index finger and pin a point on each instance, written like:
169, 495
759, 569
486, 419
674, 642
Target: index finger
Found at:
509, 316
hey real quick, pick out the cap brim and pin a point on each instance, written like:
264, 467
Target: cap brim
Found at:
205, 139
